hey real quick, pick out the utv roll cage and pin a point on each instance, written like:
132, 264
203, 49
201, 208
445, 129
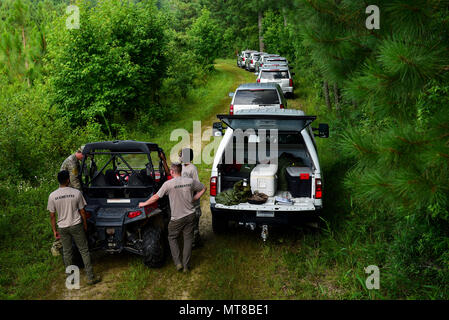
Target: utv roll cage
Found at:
119, 178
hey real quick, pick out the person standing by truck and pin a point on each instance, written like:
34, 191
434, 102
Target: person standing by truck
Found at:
182, 193
72, 165
69, 204
190, 170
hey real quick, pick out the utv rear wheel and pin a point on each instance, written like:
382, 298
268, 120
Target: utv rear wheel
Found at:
219, 225
153, 247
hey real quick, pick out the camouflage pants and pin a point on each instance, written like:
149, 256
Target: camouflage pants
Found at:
78, 235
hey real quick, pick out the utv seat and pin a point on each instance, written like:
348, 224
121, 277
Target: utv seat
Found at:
136, 180
111, 178
99, 181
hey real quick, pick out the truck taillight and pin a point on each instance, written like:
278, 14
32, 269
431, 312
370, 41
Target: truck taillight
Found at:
258, 80
213, 186
282, 106
252, 61
134, 214
243, 59
318, 189
231, 109
290, 83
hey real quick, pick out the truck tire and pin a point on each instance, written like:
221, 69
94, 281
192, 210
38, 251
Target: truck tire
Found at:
219, 225
153, 247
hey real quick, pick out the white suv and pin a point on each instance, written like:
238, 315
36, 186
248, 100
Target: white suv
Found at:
257, 95
280, 75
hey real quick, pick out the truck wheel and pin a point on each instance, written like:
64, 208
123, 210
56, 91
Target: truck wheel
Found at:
219, 225
153, 247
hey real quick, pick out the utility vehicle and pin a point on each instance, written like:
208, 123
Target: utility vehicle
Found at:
288, 141
115, 177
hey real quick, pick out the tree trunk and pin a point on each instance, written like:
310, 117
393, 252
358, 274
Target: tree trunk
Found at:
337, 97
259, 23
326, 95
24, 42
284, 14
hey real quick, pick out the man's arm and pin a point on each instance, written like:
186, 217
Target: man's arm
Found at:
83, 216
198, 195
152, 200
53, 225
164, 163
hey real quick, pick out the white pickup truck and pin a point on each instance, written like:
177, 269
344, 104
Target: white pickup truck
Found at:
276, 134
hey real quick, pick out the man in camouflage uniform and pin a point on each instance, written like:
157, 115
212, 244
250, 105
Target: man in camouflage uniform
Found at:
72, 165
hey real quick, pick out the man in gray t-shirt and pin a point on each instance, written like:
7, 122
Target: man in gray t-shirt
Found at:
191, 171
69, 204
182, 192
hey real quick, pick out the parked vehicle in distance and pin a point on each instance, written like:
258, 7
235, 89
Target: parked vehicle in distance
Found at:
116, 176
257, 95
262, 60
302, 187
241, 58
275, 64
279, 75
250, 63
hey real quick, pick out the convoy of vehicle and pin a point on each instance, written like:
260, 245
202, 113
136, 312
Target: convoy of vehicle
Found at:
248, 187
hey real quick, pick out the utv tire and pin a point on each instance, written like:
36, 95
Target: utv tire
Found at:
219, 225
153, 247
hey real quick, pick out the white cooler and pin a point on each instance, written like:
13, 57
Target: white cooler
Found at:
264, 179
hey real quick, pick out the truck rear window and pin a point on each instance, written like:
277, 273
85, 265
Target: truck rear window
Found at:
259, 96
273, 75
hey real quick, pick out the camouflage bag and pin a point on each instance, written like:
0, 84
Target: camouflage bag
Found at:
238, 194
56, 248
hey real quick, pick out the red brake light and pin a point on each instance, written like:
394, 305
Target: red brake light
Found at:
282, 106
231, 109
252, 61
304, 176
290, 83
213, 186
243, 59
134, 214
318, 189
258, 80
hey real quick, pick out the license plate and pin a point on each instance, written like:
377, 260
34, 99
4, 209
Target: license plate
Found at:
265, 214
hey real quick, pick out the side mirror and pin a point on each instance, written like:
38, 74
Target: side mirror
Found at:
292, 73
217, 129
323, 130
231, 94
